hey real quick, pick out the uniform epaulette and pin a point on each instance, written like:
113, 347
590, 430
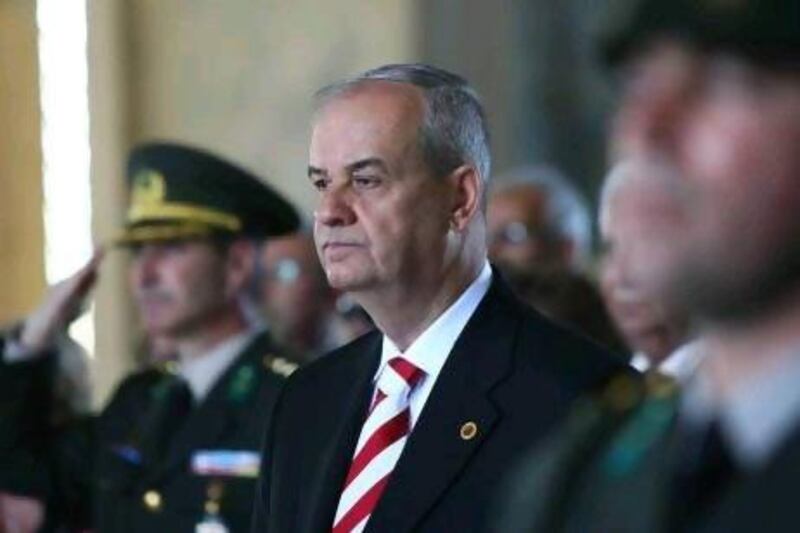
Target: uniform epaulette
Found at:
623, 392
168, 366
279, 365
659, 385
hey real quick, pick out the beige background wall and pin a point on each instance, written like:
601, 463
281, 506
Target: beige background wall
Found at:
237, 76
21, 226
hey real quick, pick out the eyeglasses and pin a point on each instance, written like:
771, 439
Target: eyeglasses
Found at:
284, 271
515, 233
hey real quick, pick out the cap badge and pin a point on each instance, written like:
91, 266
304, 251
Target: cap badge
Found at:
149, 188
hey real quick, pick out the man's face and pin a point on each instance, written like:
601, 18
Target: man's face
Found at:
644, 322
295, 294
383, 219
723, 138
520, 238
178, 286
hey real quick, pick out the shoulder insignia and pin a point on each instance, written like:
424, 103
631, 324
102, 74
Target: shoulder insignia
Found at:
622, 393
242, 383
166, 367
660, 385
279, 365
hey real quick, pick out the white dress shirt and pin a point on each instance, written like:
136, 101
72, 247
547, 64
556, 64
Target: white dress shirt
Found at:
430, 350
680, 364
202, 372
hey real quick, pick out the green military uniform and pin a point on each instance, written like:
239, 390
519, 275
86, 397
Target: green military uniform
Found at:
151, 461
144, 488
613, 466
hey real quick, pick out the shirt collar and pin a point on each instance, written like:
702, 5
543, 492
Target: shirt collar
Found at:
429, 351
202, 372
757, 417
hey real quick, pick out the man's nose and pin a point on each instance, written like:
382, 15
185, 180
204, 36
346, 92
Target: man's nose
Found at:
145, 267
335, 208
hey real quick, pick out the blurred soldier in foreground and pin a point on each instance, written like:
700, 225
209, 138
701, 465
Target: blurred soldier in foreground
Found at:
172, 451
537, 220
711, 112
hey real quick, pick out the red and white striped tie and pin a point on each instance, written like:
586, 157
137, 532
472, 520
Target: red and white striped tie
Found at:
379, 446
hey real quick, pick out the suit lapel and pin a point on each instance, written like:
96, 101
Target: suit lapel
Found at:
441, 445
354, 384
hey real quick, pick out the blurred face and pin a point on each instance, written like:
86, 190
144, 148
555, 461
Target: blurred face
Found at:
382, 218
296, 295
722, 137
519, 236
179, 287
646, 325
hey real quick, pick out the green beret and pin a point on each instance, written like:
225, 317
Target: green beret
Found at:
179, 192
764, 31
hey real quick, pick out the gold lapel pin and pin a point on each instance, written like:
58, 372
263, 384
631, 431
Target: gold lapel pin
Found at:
468, 430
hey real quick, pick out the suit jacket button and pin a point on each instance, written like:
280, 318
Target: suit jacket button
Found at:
152, 500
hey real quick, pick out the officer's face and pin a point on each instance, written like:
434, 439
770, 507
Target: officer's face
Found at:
179, 287
520, 237
723, 137
382, 220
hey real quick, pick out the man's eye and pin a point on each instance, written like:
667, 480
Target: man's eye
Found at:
320, 184
365, 182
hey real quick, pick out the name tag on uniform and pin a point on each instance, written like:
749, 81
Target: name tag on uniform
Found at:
233, 463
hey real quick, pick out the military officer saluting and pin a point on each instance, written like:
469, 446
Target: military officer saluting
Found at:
175, 449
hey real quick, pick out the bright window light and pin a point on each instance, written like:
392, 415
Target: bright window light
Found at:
66, 152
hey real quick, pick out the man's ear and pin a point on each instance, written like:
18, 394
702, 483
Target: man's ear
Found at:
239, 266
467, 187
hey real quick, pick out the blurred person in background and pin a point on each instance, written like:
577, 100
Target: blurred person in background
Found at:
175, 449
536, 219
296, 299
573, 300
659, 336
710, 115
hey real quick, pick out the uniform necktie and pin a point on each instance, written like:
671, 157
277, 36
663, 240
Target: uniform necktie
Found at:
380, 443
170, 414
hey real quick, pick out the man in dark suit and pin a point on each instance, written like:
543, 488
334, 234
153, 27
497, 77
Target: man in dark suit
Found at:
410, 427
710, 113
176, 448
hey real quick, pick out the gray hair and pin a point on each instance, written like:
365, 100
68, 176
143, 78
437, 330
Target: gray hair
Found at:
566, 209
454, 130
618, 176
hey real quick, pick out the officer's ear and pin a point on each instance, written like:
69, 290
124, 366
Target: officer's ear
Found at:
239, 266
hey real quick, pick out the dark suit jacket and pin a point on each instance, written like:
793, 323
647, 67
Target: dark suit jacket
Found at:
101, 468
511, 372
610, 469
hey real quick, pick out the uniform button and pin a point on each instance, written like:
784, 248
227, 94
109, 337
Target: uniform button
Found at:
152, 500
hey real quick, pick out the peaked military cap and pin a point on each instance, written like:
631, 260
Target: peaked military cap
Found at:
765, 31
179, 192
